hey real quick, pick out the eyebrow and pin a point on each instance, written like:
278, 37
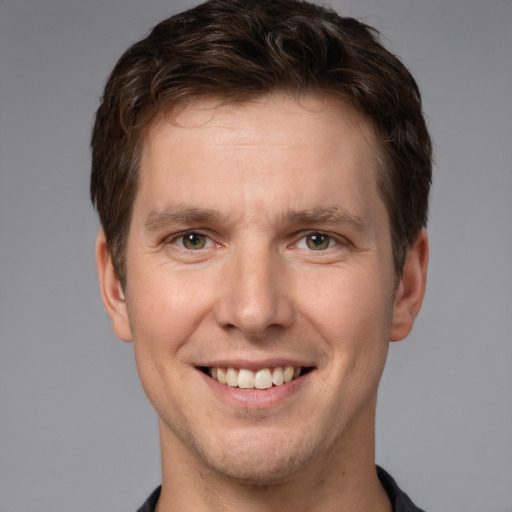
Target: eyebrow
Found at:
327, 215
179, 214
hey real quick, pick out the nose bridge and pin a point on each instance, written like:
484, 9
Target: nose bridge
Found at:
254, 295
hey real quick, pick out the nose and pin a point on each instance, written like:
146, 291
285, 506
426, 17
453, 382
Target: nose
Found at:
254, 295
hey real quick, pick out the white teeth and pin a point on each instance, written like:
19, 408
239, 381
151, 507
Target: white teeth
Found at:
232, 378
288, 373
277, 376
264, 378
221, 375
245, 379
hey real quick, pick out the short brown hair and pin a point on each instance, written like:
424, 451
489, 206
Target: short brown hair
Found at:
236, 50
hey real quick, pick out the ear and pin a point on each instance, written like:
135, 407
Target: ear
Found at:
411, 289
111, 290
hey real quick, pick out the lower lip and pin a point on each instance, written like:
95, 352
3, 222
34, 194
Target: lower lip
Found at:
255, 398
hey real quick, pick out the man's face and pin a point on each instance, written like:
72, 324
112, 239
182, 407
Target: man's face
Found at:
259, 246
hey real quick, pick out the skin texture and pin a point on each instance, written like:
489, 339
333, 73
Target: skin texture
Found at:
254, 181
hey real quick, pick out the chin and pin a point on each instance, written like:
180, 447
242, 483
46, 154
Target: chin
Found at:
261, 473
258, 460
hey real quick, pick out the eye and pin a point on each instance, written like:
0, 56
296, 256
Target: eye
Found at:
317, 241
193, 241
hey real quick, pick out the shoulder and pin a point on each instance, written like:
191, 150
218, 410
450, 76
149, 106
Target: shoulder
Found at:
150, 504
399, 500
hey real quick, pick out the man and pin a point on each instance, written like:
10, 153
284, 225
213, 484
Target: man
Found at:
261, 171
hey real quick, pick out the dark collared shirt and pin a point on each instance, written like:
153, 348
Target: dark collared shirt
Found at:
400, 501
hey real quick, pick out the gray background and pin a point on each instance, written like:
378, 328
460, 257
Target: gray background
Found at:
76, 432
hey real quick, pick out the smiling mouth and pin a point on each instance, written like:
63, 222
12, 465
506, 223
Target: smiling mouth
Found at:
263, 378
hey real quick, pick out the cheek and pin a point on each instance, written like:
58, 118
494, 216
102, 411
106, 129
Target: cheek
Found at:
353, 315
166, 307
346, 303
164, 313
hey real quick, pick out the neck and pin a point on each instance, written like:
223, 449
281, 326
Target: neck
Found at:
345, 479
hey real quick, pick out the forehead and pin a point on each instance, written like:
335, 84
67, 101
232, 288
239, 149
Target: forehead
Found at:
278, 110
299, 149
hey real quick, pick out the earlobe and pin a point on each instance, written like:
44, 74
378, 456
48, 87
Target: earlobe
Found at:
411, 289
112, 292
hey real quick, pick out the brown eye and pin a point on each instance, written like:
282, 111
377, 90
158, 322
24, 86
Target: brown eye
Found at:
193, 241
318, 241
